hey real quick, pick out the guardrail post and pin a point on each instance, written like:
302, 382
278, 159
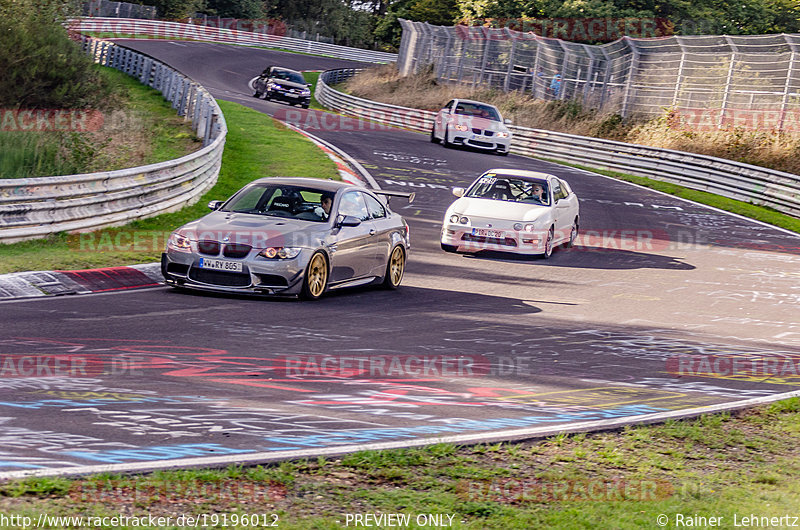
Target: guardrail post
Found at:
728, 83
788, 85
633, 67
510, 58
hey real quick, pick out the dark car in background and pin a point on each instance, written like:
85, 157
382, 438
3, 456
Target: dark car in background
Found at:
283, 84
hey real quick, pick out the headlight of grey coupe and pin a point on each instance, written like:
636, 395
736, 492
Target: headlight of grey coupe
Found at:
280, 252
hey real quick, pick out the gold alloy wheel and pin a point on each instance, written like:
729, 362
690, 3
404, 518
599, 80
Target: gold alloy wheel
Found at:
317, 276
397, 265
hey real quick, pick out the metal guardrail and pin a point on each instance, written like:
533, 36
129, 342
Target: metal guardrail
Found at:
36, 207
175, 30
727, 178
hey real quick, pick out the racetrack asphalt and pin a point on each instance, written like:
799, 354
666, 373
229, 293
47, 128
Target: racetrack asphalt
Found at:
663, 307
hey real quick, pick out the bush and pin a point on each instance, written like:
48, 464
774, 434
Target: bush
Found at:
42, 68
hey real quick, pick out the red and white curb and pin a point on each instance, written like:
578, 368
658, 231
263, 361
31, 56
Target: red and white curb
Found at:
34, 284
349, 168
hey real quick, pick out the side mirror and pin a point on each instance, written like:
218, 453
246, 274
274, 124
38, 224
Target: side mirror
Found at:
309, 84
458, 192
347, 220
507, 121
214, 205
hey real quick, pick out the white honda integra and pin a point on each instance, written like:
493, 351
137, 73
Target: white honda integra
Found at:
511, 210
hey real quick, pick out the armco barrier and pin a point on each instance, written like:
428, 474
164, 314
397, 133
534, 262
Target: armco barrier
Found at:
127, 27
37, 207
727, 178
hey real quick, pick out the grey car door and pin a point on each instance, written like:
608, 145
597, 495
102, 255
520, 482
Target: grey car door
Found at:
385, 226
354, 256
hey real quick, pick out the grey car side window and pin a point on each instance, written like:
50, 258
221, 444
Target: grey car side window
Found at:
352, 203
376, 209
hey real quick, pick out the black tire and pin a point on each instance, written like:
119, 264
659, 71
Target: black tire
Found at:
449, 248
257, 94
573, 235
434, 140
548, 244
395, 268
446, 140
315, 281
304, 105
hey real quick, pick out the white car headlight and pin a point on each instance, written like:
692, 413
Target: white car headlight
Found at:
503, 134
280, 252
517, 226
530, 227
178, 241
305, 92
461, 127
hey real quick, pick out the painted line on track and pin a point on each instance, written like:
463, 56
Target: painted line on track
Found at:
461, 439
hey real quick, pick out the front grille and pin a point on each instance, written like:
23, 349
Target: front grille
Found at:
481, 144
508, 241
210, 248
236, 250
488, 133
273, 280
222, 278
476, 131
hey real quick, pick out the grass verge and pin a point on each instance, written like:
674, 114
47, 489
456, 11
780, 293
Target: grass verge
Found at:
142, 128
760, 213
724, 466
256, 146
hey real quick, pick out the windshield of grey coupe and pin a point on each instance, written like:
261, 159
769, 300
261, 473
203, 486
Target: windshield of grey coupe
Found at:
282, 201
511, 189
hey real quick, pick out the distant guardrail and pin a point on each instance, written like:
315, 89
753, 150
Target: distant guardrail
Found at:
36, 207
727, 178
176, 30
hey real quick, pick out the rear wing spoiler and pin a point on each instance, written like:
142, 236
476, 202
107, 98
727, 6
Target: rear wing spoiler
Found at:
410, 196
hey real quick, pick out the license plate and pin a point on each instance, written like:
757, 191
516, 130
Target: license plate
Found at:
221, 265
483, 232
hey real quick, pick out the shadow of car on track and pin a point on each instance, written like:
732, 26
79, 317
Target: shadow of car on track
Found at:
592, 258
405, 301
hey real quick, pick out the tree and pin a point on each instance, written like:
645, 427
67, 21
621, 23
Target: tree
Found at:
42, 68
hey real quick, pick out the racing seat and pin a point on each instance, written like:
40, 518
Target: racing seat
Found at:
500, 191
285, 205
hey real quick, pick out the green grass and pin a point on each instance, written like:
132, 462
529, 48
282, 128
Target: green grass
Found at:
144, 128
760, 213
256, 146
623, 480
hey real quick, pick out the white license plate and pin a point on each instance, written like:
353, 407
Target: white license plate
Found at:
483, 232
221, 265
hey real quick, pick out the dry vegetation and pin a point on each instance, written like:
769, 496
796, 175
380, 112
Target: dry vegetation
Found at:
763, 148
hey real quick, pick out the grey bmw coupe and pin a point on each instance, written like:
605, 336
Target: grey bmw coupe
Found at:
292, 236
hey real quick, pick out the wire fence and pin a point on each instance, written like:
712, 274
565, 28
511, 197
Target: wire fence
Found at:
707, 82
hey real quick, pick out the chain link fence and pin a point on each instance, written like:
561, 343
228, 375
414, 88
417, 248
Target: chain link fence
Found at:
708, 82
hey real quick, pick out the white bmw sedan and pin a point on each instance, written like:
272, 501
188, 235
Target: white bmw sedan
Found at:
511, 210
468, 123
